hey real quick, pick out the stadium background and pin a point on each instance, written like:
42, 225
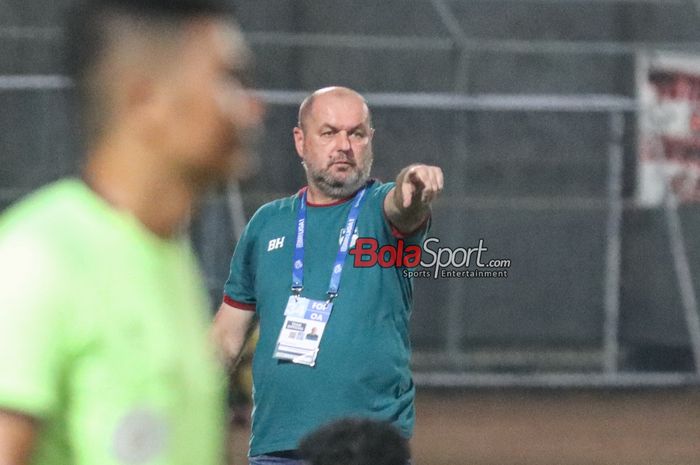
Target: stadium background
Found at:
587, 352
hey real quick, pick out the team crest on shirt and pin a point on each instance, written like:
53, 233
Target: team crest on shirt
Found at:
353, 239
141, 436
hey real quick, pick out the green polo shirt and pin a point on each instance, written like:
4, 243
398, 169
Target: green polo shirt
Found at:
363, 365
103, 336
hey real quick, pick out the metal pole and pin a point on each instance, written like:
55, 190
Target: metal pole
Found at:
234, 200
555, 380
513, 46
579, 103
457, 297
683, 273
613, 257
34, 82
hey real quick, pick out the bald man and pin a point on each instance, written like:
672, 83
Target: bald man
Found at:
292, 269
104, 354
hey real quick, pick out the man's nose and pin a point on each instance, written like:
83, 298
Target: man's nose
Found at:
254, 111
343, 141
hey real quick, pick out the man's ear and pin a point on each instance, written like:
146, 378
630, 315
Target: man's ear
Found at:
299, 141
141, 103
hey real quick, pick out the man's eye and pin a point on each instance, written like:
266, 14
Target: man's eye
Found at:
358, 134
327, 133
242, 77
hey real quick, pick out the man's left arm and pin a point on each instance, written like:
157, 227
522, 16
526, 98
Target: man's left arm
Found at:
407, 205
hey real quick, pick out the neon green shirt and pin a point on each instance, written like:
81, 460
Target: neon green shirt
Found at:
103, 336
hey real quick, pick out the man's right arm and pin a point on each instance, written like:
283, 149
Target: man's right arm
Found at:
32, 341
17, 432
230, 331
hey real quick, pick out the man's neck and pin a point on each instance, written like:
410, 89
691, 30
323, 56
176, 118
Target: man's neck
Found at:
142, 187
318, 197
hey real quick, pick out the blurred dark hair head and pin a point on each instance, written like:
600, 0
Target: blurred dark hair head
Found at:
355, 442
93, 28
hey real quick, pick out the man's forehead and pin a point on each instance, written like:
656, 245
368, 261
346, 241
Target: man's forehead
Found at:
340, 96
216, 38
230, 38
339, 105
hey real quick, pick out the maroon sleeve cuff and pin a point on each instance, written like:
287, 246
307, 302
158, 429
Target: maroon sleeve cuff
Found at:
240, 305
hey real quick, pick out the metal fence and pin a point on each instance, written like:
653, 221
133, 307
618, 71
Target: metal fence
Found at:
542, 177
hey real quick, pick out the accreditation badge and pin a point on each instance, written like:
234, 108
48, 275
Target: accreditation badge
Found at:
302, 330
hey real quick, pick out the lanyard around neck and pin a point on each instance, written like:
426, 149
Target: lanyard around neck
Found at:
298, 264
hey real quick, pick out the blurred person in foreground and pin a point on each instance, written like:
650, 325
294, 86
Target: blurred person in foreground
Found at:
355, 442
293, 268
103, 324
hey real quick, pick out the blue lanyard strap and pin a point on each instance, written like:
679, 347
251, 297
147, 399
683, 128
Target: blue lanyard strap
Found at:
298, 264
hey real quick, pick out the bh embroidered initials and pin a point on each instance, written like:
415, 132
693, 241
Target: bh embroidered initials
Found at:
275, 244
